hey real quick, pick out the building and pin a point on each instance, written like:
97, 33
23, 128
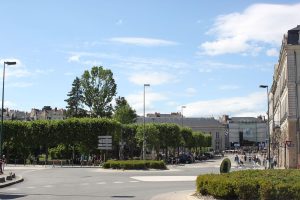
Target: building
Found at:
14, 115
47, 113
284, 102
207, 125
245, 132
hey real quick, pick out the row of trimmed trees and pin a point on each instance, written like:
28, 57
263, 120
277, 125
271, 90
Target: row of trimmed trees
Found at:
67, 139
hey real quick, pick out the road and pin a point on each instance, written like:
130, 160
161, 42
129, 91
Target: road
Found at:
96, 183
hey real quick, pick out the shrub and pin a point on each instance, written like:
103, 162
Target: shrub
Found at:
251, 184
134, 164
225, 166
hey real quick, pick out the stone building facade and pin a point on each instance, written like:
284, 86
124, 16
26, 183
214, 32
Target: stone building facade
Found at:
245, 132
207, 125
284, 102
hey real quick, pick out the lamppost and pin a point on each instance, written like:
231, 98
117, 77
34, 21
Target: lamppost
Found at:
144, 142
268, 126
182, 107
5, 63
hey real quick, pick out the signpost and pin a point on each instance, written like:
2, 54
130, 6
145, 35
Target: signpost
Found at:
105, 143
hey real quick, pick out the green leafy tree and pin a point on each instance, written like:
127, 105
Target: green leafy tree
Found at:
187, 135
99, 88
151, 136
123, 112
75, 100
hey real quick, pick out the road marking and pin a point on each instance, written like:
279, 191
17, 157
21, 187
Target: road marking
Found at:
164, 178
12, 189
31, 187
48, 186
118, 182
134, 181
101, 183
84, 184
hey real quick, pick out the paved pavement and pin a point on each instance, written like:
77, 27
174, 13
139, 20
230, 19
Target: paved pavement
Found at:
50, 182
9, 178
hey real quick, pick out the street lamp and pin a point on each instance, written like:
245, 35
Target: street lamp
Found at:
268, 126
182, 107
144, 142
5, 63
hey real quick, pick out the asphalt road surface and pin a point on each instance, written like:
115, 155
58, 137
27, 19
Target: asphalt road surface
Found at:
50, 182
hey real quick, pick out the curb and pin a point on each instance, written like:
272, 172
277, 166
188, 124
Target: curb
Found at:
8, 183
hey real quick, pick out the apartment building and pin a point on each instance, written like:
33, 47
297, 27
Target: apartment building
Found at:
47, 113
245, 132
284, 102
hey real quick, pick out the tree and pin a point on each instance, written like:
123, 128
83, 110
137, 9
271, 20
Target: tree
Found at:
75, 100
123, 112
99, 88
151, 136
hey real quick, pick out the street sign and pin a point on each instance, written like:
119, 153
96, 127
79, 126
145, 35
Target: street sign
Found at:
105, 142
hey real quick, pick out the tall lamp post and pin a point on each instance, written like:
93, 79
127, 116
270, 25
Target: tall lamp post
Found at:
182, 107
144, 142
268, 126
5, 63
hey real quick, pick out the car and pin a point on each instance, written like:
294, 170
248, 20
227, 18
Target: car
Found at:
185, 159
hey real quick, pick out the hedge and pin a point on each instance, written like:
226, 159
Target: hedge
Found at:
251, 184
134, 164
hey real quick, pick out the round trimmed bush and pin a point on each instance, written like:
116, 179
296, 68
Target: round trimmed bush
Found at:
225, 166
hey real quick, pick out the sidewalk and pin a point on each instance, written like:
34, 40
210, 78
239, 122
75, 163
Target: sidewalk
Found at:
181, 195
9, 178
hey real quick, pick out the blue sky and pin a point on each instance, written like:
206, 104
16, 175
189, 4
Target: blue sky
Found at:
209, 56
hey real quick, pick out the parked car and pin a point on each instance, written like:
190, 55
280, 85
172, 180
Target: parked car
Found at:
185, 159
201, 157
210, 155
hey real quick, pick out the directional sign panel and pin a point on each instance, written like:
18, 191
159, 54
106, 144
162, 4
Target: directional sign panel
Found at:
105, 142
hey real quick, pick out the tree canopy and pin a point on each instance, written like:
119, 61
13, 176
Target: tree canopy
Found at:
123, 112
99, 88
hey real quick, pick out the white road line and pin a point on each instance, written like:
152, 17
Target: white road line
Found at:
12, 189
48, 186
164, 178
31, 187
118, 182
84, 184
101, 183
134, 181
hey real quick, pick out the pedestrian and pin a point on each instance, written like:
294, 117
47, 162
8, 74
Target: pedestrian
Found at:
1, 171
3, 163
275, 161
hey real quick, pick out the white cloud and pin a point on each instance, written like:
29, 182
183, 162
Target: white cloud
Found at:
272, 52
252, 105
153, 78
137, 101
18, 70
229, 87
191, 91
74, 58
246, 32
209, 66
125, 62
139, 41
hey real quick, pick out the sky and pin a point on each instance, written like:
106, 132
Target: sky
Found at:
209, 56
